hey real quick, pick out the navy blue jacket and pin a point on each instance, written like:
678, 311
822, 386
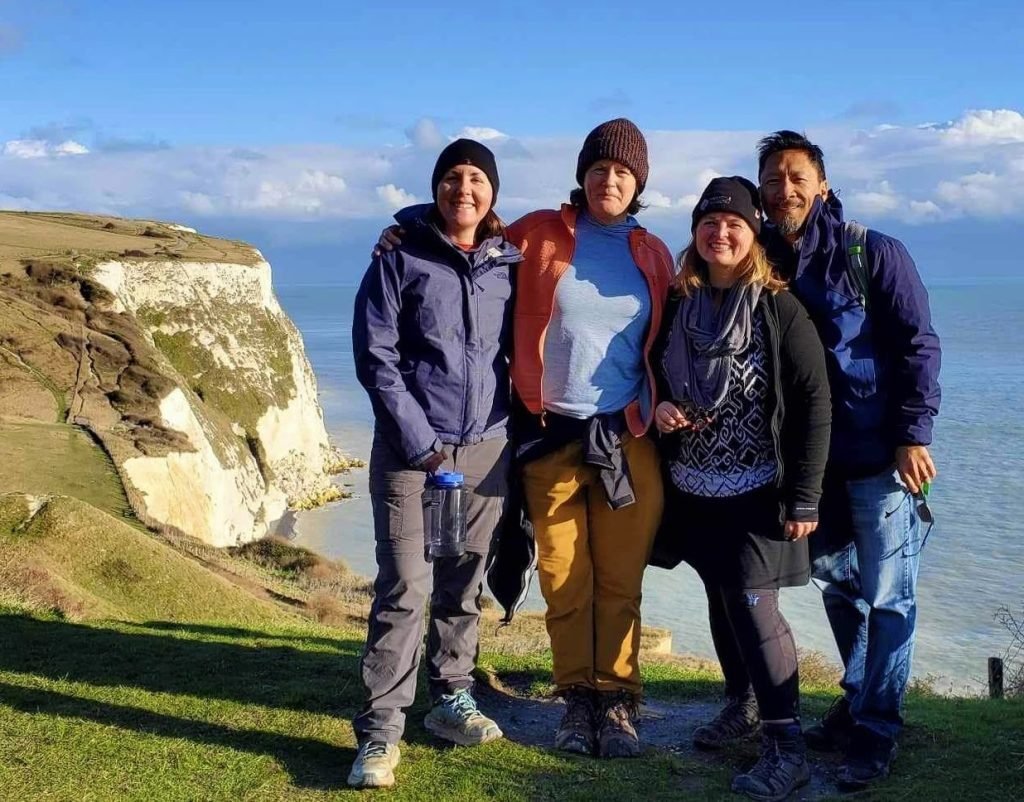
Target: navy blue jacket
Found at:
883, 362
431, 335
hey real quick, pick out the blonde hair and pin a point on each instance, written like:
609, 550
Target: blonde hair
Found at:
755, 268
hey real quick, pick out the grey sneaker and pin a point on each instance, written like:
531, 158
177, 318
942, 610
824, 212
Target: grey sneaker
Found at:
456, 718
781, 769
374, 766
739, 719
576, 730
616, 732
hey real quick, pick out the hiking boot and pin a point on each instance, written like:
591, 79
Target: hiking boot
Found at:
576, 731
868, 758
374, 766
782, 767
739, 719
456, 718
616, 732
833, 731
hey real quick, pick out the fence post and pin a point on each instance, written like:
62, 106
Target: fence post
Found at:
995, 678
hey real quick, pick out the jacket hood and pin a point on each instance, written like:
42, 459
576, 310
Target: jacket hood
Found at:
822, 234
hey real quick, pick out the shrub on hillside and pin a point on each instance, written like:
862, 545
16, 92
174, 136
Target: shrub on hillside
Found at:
1013, 660
274, 552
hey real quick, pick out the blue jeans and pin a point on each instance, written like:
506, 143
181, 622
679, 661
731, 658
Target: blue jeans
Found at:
865, 557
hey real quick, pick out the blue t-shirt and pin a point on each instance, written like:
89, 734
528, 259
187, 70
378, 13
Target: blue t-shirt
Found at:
593, 351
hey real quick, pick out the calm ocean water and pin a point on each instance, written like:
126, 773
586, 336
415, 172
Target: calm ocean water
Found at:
973, 562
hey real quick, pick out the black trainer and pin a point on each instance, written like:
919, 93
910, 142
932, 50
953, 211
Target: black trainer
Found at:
576, 732
739, 719
834, 729
868, 759
782, 767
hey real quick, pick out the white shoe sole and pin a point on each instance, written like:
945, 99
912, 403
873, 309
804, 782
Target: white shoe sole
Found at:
375, 779
457, 736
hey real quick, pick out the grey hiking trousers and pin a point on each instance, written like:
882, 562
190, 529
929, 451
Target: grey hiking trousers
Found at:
405, 578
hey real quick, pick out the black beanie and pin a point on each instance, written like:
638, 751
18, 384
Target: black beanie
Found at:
619, 140
465, 151
733, 194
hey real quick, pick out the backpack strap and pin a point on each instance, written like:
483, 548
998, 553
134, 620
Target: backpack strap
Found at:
855, 244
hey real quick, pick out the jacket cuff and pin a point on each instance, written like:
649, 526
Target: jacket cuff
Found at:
801, 511
914, 434
422, 456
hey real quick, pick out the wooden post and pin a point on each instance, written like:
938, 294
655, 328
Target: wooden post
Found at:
995, 678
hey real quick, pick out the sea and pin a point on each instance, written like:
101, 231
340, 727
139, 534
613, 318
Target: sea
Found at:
972, 565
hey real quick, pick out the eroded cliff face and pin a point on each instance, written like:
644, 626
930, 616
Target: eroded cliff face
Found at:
185, 368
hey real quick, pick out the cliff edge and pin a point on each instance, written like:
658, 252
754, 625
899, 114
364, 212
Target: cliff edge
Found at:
170, 348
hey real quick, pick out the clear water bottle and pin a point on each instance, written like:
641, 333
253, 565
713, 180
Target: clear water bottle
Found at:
445, 502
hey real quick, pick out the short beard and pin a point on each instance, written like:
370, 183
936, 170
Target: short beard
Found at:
789, 225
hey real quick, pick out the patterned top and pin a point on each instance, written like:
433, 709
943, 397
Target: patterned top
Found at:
735, 452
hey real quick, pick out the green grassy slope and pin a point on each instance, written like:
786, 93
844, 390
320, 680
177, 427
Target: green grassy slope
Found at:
73, 557
161, 711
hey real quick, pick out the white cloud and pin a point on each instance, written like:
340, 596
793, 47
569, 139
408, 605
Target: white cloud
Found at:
41, 149
70, 148
480, 134
395, 197
982, 127
25, 149
971, 168
879, 202
424, 133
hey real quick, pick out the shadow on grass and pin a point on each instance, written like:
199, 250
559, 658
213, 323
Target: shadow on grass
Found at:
310, 763
271, 674
234, 632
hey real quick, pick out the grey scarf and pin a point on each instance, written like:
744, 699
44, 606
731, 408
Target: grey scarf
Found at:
703, 340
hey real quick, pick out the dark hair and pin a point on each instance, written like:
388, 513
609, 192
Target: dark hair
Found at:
490, 226
789, 140
578, 198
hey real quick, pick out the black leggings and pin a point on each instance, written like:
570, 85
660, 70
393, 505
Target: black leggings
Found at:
755, 647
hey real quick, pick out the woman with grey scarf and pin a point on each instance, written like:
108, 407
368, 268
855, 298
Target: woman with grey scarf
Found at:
745, 438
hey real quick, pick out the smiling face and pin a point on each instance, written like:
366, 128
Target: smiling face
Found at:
790, 182
723, 240
610, 188
464, 196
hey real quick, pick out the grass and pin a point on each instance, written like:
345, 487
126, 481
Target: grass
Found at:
182, 711
131, 669
80, 562
51, 458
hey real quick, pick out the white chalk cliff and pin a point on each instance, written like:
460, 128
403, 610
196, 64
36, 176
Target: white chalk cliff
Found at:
245, 401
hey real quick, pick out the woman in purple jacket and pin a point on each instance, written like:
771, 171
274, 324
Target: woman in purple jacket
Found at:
431, 333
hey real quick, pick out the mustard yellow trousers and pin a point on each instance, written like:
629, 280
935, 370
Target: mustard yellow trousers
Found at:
590, 562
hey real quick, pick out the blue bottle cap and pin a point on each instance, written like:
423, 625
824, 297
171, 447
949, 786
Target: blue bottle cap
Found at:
448, 479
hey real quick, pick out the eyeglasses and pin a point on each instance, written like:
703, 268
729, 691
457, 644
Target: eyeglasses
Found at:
698, 418
924, 512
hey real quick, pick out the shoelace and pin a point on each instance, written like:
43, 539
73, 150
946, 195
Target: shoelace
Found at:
733, 718
464, 705
771, 768
375, 749
578, 712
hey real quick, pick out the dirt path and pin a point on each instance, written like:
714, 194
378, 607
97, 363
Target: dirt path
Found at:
663, 727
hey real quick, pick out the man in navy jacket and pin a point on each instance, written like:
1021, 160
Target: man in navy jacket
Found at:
883, 361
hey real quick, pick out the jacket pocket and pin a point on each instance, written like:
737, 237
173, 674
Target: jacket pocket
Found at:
852, 347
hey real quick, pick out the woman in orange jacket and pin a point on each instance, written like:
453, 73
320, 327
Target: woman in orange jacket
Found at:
589, 300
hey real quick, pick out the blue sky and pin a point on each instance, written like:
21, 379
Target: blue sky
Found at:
304, 124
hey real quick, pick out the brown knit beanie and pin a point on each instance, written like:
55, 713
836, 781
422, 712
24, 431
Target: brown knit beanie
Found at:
619, 140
